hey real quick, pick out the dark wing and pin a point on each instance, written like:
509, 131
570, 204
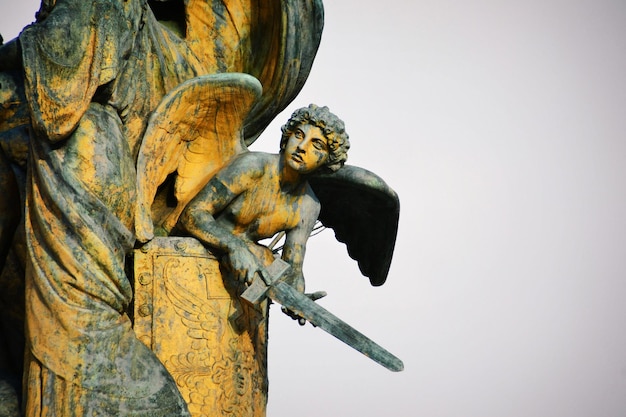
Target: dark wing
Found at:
364, 212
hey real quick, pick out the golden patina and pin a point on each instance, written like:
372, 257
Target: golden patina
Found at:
133, 208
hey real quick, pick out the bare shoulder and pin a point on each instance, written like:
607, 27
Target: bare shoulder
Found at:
310, 203
252, 163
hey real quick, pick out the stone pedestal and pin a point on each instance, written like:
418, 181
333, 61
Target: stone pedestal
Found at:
191, 317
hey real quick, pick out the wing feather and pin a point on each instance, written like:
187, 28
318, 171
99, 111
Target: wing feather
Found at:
194, 131
363, 211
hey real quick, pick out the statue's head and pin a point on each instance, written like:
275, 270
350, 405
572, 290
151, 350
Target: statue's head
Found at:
331, 126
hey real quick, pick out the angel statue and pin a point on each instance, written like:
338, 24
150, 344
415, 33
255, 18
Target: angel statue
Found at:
197, 178
77, 88
257, 195
117, 117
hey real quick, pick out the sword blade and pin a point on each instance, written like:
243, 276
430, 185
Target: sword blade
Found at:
302, 305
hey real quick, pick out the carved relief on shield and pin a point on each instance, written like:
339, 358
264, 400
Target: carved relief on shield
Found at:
214, 346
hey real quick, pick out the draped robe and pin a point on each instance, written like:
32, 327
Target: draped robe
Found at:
93, 72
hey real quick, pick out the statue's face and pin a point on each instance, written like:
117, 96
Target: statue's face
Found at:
306, 149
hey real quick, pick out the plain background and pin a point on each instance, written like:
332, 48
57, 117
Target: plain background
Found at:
501, 125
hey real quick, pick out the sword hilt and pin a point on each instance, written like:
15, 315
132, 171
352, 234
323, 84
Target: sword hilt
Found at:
257, 290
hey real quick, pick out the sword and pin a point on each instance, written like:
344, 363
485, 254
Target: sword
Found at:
269, 285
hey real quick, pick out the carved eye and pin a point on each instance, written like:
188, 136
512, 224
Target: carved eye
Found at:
299, 134
319, 144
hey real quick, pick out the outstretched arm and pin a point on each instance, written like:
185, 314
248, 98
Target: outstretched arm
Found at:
295, 248
198, 218
296, 238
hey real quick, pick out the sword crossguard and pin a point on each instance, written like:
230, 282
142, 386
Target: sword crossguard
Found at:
305, 308
257, 290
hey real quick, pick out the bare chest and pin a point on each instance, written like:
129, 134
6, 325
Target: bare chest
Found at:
259, 214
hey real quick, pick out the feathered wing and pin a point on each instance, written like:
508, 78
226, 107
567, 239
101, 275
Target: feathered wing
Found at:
194, 131
197, 314
364, 212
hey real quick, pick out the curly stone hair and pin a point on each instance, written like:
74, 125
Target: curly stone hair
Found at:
331, 126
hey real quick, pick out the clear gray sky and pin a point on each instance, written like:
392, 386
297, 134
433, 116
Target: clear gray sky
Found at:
501, 124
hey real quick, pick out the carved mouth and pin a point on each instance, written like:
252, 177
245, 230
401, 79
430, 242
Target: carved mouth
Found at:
296, 157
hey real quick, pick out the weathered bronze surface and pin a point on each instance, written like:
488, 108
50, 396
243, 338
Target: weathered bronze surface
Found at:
212, 344
304, 307
124, 129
